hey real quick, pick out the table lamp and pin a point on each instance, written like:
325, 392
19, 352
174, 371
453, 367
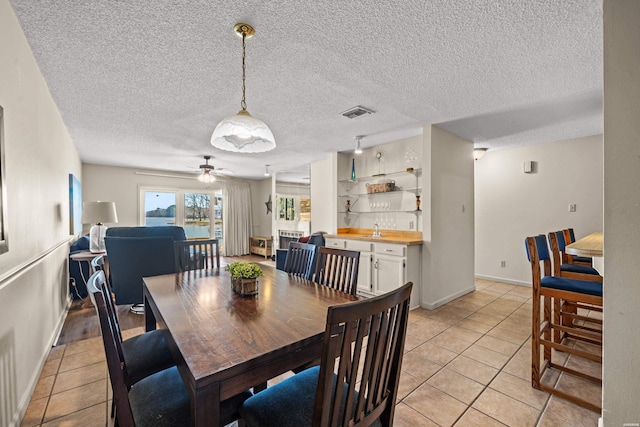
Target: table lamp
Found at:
98, 213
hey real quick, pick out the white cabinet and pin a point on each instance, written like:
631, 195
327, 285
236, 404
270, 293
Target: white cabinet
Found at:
384, 266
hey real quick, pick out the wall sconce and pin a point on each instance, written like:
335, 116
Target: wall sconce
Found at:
479, 152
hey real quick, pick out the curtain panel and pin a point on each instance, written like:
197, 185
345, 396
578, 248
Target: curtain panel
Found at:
238, 222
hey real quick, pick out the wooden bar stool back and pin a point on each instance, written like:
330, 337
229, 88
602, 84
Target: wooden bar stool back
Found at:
552, 331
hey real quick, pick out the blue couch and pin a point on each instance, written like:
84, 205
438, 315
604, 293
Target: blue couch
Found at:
315, 239
137, 252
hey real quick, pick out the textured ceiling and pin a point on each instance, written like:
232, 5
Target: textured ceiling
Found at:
143, 83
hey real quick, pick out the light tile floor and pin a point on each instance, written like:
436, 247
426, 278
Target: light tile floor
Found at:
466, 364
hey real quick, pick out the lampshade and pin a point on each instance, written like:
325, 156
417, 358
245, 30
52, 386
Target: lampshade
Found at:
243, 133
98, 213
479, 152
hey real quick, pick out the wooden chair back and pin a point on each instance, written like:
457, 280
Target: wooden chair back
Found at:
338, 268
299, 260
569, 238
110, 339
363, 346
560, 264
197, 254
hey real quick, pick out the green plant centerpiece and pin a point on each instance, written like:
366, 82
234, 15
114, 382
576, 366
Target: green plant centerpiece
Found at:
244, 277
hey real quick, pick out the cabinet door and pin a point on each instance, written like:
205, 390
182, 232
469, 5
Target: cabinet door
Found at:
365, 278
389, 273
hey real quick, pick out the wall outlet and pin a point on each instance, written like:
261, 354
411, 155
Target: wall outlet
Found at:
411, 224
572, 207
503, 263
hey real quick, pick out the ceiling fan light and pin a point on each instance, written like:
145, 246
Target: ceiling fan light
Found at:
206, 177
243, 133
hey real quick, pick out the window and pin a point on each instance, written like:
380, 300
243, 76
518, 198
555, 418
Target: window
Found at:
287, 208
191, 210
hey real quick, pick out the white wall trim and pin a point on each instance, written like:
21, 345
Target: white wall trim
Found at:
503, 280
15, 272
447, 299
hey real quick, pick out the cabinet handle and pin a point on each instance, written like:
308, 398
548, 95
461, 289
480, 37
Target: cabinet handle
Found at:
389, 250
375, 264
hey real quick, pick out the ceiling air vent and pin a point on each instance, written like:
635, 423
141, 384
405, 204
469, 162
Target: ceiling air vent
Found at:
356, 111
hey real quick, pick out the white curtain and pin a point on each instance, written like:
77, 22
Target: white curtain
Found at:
237, 222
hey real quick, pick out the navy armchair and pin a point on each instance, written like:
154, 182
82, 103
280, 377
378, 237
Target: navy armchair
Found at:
137, 252
315, 239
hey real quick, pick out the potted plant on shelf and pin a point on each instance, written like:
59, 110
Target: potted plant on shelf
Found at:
244, 277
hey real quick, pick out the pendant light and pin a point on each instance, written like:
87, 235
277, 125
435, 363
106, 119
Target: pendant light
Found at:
358, 149
243, 133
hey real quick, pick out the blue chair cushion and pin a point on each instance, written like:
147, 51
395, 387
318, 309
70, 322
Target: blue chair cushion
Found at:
573, 268
162, 400
287, 404
571, 285
146, 354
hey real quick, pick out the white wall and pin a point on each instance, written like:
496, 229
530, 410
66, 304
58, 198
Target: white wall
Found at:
324, 181
621, 373
260, 192
448, 229
511, 205
39, 156
121, 185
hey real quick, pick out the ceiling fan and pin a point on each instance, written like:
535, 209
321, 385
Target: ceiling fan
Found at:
208, 172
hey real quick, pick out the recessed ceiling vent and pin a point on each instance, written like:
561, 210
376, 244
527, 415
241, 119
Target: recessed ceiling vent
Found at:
357, 111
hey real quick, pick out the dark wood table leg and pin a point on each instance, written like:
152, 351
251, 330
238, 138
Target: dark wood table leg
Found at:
149, 317
205, 406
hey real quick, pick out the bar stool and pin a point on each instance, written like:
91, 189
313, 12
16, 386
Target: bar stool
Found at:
553, 290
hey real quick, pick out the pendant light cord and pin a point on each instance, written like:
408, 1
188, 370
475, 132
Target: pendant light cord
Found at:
243, 103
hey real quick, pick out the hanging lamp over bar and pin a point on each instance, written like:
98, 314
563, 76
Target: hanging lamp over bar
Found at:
243, 133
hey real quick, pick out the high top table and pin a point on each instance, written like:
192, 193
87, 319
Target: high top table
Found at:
590, 246
225, 343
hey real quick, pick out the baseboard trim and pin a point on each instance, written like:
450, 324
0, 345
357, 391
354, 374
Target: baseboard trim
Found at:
503, 280
449, 298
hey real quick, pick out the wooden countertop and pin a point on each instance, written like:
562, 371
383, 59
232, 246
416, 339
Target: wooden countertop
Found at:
388, 236
589, 246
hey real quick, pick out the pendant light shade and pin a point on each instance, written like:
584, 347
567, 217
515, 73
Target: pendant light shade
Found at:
243, 133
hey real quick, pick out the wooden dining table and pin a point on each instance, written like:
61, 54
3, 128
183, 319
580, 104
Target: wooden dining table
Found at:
590, 246
224, 343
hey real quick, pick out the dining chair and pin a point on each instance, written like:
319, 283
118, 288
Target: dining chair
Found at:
158, 399
300, 258
570, 237
356, 383
564, 269
552, 333
143, 354
197, 254
338, 268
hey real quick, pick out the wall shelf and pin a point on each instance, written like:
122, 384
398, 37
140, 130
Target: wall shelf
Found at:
415, 172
